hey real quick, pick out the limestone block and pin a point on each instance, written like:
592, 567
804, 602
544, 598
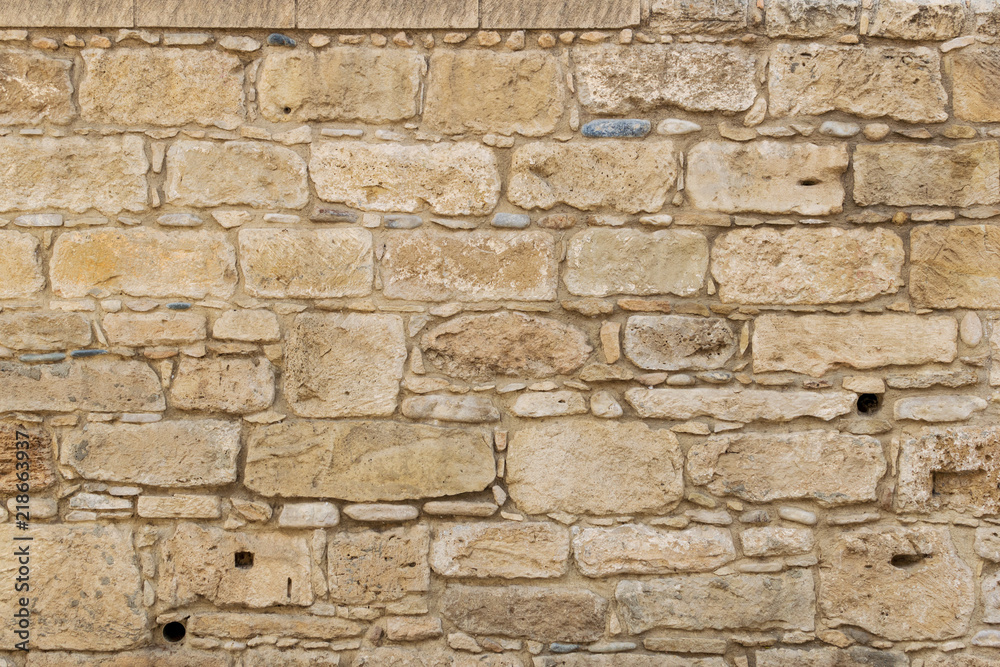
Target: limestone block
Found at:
246, 625
549, 404
639, 549
954, 266
267, 656
532, 550
371, 566
309, 515
160, 328
233, 14
576, 14
258, 326
96, 385
34, 88
179, 506
161, 657
56, 13
43, 331
626, 660
943, 408
810, 18
771, 541
20, 265
34, 439
385, 14
988, 542
975, 73
237, 385
745, 406
429, 657
471, 409
917, 19
855, 656
676, 342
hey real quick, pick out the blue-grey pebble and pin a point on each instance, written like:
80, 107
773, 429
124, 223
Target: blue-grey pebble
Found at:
47, 357
511, 220
76, 354
179, 305
617, 127
403, 221
277, 39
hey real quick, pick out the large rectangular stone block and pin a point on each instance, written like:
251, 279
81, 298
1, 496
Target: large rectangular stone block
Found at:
975, 75
532, 550
577, 14
164, 328
640, 549
236, 385
810, 18
267, 14
377, 566
43, 331
63, 14
160, 657
675, 342
955, 266
924, 20
34, 88
386, 14
20, 265
243, 626
739, 406
96, 385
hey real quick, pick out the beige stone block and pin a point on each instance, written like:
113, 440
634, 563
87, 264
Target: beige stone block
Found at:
344, 365
179, 507
762, 468
739, 406
163, 328
60, 14
867, 81
93, 385
471, 409
160, 657
810, 18
17, 436
806, 266
450, 178
618, 80
767, 177
34, 88
367, 461
469, 266
943, 468
237, 385
248, 173
628, 176
377, 566
43, 331
975, 74
922, 20
386, 14
143, 262
20, 265
75, 173
924, 588
592, 466
305, 86
509, 550
257, 326
577, 14
431, 657
267, 14
940, 408
602, 262
626, 660
913, 175
246, 625
815, 344
854, 656
172, 87
487, 91
676, 342
640, 549
268, 656
954, 266
771, 541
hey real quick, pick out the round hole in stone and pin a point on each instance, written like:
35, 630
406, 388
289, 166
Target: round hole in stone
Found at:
869, 403
287, 110
174, 631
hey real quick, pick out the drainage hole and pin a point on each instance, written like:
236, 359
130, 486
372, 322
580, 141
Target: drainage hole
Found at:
869, 403
243, 560
174, 631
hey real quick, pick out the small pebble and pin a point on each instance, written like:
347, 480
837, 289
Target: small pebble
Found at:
77, 354
511, 220
488, 38
277, 39
797, 515
617, 127
178, 305
48, 357
677, 126
319, 41
832, 128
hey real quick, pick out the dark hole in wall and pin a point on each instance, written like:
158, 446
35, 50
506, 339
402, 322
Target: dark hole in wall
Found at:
243, 560
174, 631
869, 403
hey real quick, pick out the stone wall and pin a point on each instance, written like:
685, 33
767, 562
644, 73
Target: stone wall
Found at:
501, 334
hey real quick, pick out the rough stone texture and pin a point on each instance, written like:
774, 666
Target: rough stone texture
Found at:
810, 18
161, 328
109, 13
179, 506
744, 406
347, 14
370, 566
901, 583
921, 20
305, 86
946, 408
532, 550
975, 74
243, 626
471, 409
97, 385
806, 266
676, 342
622, 175
367, 461
266, 656
43, 331
34, 439
247, 325
867, 81
571, 14
954, 266
20, 265
856, 656
684, 16
594, 467
238, 385
814, 344
429, 657
767, 176
639, 549
34, 88
155, 656
235, 14
776, 541
451, 179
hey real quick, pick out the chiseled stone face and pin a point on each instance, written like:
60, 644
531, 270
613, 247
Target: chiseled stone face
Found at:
394, 656
246, 625
639, 549
743, 406
238, 385
34, 88
161, 657
43, 331
20, 265
975, 72
777, 541
675, 342
509, 550
810, 18
905, 19
855, 656
159, 328
373, 566
955, 266
98, 385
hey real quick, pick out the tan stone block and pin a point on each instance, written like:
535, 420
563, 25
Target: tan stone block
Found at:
431, 657
770, 541
625, 175
160, 657
36, 442
258, 326
451, 178
806, 266
412, 628
57, 13
767, 177
867, 81
171, 87
372, 566
975, 74
268, 14
243, 626
925, 20
591, 466
305, 86
20, 265
739, 406
143, 262
940, 408
617, 79
306, 263
238, 385
949, 468
43, 331
626, 660
815, 344
675, 342
202, 173
809, 18
953, 266
179, 507
172, 453
386, 14
269, 656
34, 88
532, 550
164, 328
487, 91
74, 173
576, 14
93, 385
913, 175
639, 549
855, 656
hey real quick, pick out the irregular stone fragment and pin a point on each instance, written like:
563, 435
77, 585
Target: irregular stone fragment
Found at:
620, 80
469, 266
483, 91
810, 18
914, 175
36, 440
924, 379
20, 265
94, 385
639, 549
602, 262
627, 176
451, 408
237, 385
549, 404
591, 466
901, 583
807, 266
412, 628
344, 365
371, 566
814, 344
767, 177
866, 81
762, 467
366, 461
683, 16
954, 266
938, 408
451, 178
244, 625
676, 342
708, 601
855, 656
745, 406
169, 657
34, 88
160, 328
309, 515
43, 331
532, 550
975, 73
770, 541
381, 512
430, 657
924, 20
303, 86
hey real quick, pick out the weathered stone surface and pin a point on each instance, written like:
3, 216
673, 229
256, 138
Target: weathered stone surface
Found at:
370, 566
74, 173
367, 461
171, 657
624, 175
243, 625
239, 385
975, 73
684, 16
43, 331
867, 81
473, 409
303, 86
708, 601
945, 408
549, 404
212, 564
543, 614
810, 18
700, 77
639, 549
344, 365
309, 515
49, 13
901, 583
160, 328
954, 266
923, 20
745, 406
143, 262
766, 176
469, 266
451, 178
195, 14
814, 344
144, 86
988, 542
764, 467
913, 175
626, 660
601, 262
105, 587
385, 14
179, 506
306, 263
855, 656
675, 342
96, 385
236, 173
777, 540
578, 14
487, 91
590, 466
34, 88
258, 326
430, 657
957, 660
269, 656
532, 550
806, 266
20, 265
36, 441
